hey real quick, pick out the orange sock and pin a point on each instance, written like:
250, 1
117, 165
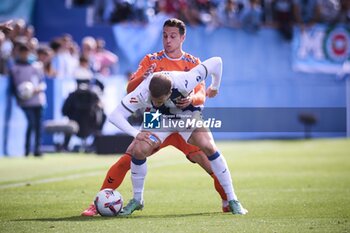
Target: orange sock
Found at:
219, 188
117, 172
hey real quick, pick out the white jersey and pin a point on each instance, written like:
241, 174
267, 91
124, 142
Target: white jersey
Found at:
183, 83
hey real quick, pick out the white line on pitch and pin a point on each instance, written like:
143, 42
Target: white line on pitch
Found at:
73, 177
49, 180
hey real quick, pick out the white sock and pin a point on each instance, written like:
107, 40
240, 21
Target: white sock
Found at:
221, 171
138, 174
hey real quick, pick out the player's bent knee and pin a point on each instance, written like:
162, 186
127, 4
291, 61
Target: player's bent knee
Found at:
141, 150
131, 147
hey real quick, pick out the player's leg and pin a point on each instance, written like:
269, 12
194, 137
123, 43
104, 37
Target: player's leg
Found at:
195, 155
113, 179
117, 172
204, 140
140, 150
201, 158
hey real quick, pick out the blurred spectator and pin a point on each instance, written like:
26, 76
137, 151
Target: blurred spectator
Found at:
6, 47
88, 50
252, 16
19, 26
28, 80
139, 11
229, 13
267, 12
329, 10
283, 16
206, 11
307, 12
189, 13
103, 10
169, 7
6, 26
44, 56
70, 46
28, 32
122, 12
63, 62
33, 45
83, 71
105, 59
344, 14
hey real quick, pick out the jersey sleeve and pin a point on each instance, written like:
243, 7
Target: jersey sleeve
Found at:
199, 96
119, 118
136, 78
214, 68
187, 81
136, 99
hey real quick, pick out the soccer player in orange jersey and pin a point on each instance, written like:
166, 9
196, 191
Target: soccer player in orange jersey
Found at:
172, 58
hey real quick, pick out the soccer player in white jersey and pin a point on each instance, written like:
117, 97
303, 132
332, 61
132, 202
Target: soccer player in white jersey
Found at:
159, 93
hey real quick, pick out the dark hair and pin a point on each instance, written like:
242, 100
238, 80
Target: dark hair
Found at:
55, 45
176, 23
83, 59
159, 86
23, 48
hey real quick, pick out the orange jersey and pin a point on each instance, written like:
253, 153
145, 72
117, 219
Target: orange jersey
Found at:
164, 63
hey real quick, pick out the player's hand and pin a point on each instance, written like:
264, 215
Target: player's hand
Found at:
211, 92
149, 138
149, 71
184, 102
142, 135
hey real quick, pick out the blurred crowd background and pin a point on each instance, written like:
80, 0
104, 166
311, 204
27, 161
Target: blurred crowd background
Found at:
249, 15
277, 53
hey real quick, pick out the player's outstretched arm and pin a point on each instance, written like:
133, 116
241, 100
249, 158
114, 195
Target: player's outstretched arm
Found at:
119, 118
211, 66
214, 67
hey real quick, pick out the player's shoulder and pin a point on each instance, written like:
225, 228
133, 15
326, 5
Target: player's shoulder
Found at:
157, 56
190, 58
141, 91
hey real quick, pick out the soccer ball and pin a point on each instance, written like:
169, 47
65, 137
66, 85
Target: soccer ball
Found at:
25, 90
108, 202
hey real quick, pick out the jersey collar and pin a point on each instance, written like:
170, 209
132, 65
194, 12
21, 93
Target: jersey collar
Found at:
174, 59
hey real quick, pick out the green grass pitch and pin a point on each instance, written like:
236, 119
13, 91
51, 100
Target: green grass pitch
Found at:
287, 186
